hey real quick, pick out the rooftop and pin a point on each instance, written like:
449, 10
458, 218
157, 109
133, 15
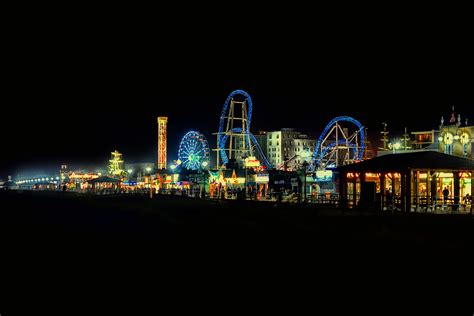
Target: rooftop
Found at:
415, 160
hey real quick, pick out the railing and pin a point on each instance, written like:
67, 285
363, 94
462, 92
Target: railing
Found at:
450, 204
326, 200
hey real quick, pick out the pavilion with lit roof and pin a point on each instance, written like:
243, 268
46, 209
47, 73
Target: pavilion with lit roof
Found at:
415, 181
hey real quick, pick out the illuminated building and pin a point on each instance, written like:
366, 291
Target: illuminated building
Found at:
425, 140
287, 145
162, 138
457, 137
453, 138
261, 138
410, 181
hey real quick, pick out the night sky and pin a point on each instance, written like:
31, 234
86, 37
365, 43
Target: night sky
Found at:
79, 114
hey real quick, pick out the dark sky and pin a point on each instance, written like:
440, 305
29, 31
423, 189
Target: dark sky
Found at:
76, 111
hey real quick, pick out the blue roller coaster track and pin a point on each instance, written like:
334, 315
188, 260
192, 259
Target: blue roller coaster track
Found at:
319, 153
222, 138
332, 145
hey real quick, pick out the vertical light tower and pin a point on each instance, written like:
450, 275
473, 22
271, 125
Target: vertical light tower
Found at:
162, 136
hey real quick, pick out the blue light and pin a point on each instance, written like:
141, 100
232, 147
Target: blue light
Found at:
317, 156
193, 150
222, 139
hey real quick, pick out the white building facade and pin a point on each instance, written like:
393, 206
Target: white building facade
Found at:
287, 145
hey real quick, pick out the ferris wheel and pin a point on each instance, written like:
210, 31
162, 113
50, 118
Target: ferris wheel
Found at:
193, 150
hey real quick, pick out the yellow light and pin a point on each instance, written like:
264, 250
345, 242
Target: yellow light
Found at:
372, 175
445, 175
324, 174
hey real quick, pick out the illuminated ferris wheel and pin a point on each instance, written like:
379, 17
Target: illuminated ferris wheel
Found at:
193, 151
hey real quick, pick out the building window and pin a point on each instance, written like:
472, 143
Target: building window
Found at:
278, 136
448, 149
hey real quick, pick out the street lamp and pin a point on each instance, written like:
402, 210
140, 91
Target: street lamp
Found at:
204, 166
245, 157
305, 166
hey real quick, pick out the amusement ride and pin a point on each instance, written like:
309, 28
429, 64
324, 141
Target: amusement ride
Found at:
193, 151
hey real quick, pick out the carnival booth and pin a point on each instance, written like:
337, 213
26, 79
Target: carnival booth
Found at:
104, 185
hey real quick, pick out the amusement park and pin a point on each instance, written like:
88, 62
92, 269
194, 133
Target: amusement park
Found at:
235, 192
239, 162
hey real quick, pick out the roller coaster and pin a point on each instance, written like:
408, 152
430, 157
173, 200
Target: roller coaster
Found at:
337, 146
241, 142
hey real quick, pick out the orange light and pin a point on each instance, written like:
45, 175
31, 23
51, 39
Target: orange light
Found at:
372, 175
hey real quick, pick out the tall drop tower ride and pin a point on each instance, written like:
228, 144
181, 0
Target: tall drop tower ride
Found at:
162, 139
